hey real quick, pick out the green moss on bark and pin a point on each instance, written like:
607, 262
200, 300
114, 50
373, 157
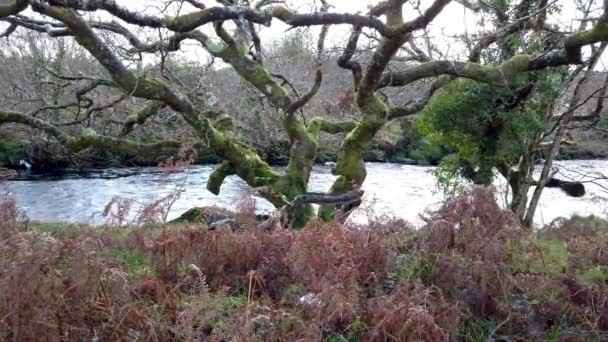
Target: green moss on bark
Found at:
256, 74
350, 156
10, 7
515, 65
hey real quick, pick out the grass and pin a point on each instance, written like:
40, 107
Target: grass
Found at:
134, 263
53, 228
478, 330
541, 256
597, 275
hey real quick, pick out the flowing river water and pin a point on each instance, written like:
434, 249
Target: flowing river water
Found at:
390, 190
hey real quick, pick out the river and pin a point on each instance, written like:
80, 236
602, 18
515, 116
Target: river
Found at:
390, 190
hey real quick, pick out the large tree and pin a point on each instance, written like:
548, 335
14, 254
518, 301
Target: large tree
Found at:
236, 42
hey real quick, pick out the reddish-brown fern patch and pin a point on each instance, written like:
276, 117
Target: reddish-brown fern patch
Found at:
411, 313
377, 282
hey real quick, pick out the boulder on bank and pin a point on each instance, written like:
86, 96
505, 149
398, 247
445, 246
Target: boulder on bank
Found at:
204, 215
213, 217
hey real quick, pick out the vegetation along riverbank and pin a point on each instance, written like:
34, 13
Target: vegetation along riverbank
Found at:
472, 273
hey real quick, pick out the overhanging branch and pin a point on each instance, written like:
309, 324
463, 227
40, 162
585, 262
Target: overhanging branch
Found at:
217, 177
141, 116
90, 138
335, 199
320, 124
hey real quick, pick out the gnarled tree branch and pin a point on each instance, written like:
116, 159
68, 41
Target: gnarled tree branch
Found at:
320, 124
140, 117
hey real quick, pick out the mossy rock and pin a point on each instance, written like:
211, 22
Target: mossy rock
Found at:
204, 215
212, 216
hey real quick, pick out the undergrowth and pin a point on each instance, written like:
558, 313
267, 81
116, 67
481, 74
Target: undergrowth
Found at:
471, 274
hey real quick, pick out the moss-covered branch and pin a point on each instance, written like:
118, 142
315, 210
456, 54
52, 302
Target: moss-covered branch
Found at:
295, 19
216, 179
23, 119
113, 7
90, 138
500, 75
319, 124
388, 47
191, 21
11, 7
304, 145
419, 103
140, 117
574, 43
420, 22
350, 167
346, 59
254, 73
505, 72
148, 88
242, 160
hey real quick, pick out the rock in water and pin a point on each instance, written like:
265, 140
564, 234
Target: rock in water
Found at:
25, 164
573, 189
404, 161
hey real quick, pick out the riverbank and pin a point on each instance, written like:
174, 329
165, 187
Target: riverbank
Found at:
21, 162
399, 143
48, 165
470, 274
